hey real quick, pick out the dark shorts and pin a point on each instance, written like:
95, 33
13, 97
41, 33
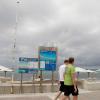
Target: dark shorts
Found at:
62, 86
70, 90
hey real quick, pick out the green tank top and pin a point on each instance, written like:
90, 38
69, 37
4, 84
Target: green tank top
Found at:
70, 69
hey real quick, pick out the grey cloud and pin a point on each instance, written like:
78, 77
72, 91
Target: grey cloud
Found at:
72, 25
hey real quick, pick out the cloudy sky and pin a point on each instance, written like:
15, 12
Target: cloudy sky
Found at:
72, 26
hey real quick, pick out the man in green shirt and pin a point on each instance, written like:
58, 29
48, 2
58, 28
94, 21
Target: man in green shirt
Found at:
70, 81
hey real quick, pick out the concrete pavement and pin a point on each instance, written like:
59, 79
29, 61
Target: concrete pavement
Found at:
84, 95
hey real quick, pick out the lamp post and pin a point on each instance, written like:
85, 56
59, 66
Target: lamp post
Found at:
14, 45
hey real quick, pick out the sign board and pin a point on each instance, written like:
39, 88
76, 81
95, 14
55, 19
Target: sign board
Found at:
28, 59
48, 58
29, 65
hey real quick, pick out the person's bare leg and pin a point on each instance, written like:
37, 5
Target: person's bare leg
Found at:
68, 98
58, 95
65, 98
75, 97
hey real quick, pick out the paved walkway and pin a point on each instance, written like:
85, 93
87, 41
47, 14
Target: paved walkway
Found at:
26, 98
90, 96
84, 95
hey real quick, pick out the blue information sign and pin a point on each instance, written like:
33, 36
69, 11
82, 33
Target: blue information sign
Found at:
28, 65
48, 58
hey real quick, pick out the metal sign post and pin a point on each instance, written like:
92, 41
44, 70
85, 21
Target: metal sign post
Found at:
21, 82
52, 77
21, 79
33, 82
41, 78
33, 85
12, 80
52, 88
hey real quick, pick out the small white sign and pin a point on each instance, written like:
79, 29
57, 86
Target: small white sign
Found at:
42, 64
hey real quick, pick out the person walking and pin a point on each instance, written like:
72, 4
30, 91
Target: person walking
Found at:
70, 81
61, 78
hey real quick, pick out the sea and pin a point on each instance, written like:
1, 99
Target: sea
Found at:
48, 74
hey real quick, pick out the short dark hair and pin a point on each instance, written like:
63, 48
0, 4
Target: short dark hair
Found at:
71, 60
65, 61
